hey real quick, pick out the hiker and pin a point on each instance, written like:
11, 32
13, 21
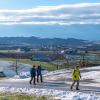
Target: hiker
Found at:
75, 77
33, 75
39, 73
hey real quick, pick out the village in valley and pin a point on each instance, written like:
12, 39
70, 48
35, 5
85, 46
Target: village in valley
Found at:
62, 55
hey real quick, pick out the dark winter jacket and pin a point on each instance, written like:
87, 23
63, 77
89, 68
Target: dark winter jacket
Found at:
33, 72
39, 70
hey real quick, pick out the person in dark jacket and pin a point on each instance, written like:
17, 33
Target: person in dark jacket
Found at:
33, 75
39, 74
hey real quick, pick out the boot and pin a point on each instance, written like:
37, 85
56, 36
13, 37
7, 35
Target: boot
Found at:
77, 89
71, 87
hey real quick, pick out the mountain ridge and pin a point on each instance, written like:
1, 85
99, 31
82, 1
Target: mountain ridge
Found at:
40, 41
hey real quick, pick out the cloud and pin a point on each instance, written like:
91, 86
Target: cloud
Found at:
82, 13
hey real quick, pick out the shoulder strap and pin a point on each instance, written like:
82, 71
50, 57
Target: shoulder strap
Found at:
73, 71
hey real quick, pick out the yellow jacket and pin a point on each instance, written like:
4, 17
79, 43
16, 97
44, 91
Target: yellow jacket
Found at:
75, 74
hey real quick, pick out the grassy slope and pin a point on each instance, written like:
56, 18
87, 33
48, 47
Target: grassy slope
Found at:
45, 65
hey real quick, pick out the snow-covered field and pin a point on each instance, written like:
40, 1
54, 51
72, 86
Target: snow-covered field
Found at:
56, 83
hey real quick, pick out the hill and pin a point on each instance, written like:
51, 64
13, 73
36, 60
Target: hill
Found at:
40, 41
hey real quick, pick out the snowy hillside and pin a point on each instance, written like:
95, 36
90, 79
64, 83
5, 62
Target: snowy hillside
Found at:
56, 84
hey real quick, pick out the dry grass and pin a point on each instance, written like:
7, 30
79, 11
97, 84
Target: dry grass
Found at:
16, 96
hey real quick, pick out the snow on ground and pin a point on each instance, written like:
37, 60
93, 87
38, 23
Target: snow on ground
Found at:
5, 66
58, 94
90, 73
93, 74
92, 68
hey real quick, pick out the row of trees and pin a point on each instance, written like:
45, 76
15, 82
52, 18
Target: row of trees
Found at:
84, 60
61, 60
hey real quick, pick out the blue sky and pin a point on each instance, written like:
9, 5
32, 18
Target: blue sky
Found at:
21, 4
50, 18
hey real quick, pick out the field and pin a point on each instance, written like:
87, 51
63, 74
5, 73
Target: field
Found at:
5, 51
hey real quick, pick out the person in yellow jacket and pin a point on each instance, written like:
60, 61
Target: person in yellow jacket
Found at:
76, 77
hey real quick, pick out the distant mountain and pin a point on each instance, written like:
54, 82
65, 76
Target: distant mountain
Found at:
40, 41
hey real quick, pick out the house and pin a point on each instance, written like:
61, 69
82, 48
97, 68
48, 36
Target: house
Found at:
41, 57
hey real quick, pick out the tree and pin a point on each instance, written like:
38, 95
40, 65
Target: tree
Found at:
16, 66
84, 61
59, 59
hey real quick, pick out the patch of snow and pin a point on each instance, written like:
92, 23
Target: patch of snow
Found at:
92, 68
57, 72
62, 95
91, 75
16, 77
24, 74
5, 66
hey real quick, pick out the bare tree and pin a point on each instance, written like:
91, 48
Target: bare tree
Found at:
16, 66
